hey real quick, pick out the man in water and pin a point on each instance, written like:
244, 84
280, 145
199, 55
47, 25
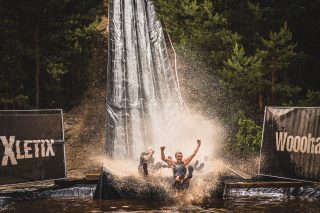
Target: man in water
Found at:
146, 160
179, 166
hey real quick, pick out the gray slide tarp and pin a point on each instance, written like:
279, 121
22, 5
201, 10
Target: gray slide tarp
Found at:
141, 84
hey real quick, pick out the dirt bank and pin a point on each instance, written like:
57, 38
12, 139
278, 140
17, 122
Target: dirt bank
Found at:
85, 123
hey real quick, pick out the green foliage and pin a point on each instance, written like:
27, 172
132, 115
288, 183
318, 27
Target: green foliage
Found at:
253, 52
280, 54
265, 73
197, 23
20, 101
65, 32
56, 68
249, 134
264, 52
312, 99
242, 73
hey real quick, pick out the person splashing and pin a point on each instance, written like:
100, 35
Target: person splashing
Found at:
179, 167
146, 161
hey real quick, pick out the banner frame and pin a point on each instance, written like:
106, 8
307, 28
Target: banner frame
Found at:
59, 141
285, 178
64, 147
260, 158
264, 119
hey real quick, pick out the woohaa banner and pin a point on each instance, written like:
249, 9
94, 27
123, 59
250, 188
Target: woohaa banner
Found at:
291, 143
31, 146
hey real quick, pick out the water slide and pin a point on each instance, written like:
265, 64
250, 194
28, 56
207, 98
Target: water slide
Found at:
142, 91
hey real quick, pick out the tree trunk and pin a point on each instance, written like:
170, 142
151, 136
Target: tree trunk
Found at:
37, 58
260, 101
260, 97
273, 80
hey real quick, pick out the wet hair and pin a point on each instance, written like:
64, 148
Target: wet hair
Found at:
177, 153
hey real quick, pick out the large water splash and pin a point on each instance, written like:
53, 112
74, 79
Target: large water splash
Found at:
140, 81
144, 103
142, 91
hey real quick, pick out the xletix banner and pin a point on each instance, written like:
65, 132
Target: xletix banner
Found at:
31, 146
291, 143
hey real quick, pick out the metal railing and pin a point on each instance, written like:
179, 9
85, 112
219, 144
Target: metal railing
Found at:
31, 112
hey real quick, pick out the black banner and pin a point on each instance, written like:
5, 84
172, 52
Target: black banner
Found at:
31, 146
291, 143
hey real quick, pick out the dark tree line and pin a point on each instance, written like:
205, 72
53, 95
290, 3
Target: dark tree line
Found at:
45, 50
267, 50
264, 52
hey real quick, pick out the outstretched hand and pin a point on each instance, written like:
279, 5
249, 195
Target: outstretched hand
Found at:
162, 148
189, 159
199, 142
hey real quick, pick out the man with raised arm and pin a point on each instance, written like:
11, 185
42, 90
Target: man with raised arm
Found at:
179, 166
146, 161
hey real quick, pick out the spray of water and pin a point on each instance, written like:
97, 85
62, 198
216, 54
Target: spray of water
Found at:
144, 103
145, 106
157, 186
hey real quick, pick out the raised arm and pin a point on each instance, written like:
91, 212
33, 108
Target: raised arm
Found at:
147, 157
163, 157
189, 159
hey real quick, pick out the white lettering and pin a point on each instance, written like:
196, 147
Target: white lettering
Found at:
43, 148
317, 147
27, 149
281, 140
49, 148
296, 144
310, 141
8, 152
31, 149
19, 156
36, 148
290, 143
303, 144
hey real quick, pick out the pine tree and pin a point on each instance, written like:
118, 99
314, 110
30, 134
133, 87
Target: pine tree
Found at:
45, 46
280, 53
243, 74
198, 24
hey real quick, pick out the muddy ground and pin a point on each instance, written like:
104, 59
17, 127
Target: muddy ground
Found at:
85, 123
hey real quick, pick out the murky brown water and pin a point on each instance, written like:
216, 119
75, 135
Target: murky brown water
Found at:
239, 204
